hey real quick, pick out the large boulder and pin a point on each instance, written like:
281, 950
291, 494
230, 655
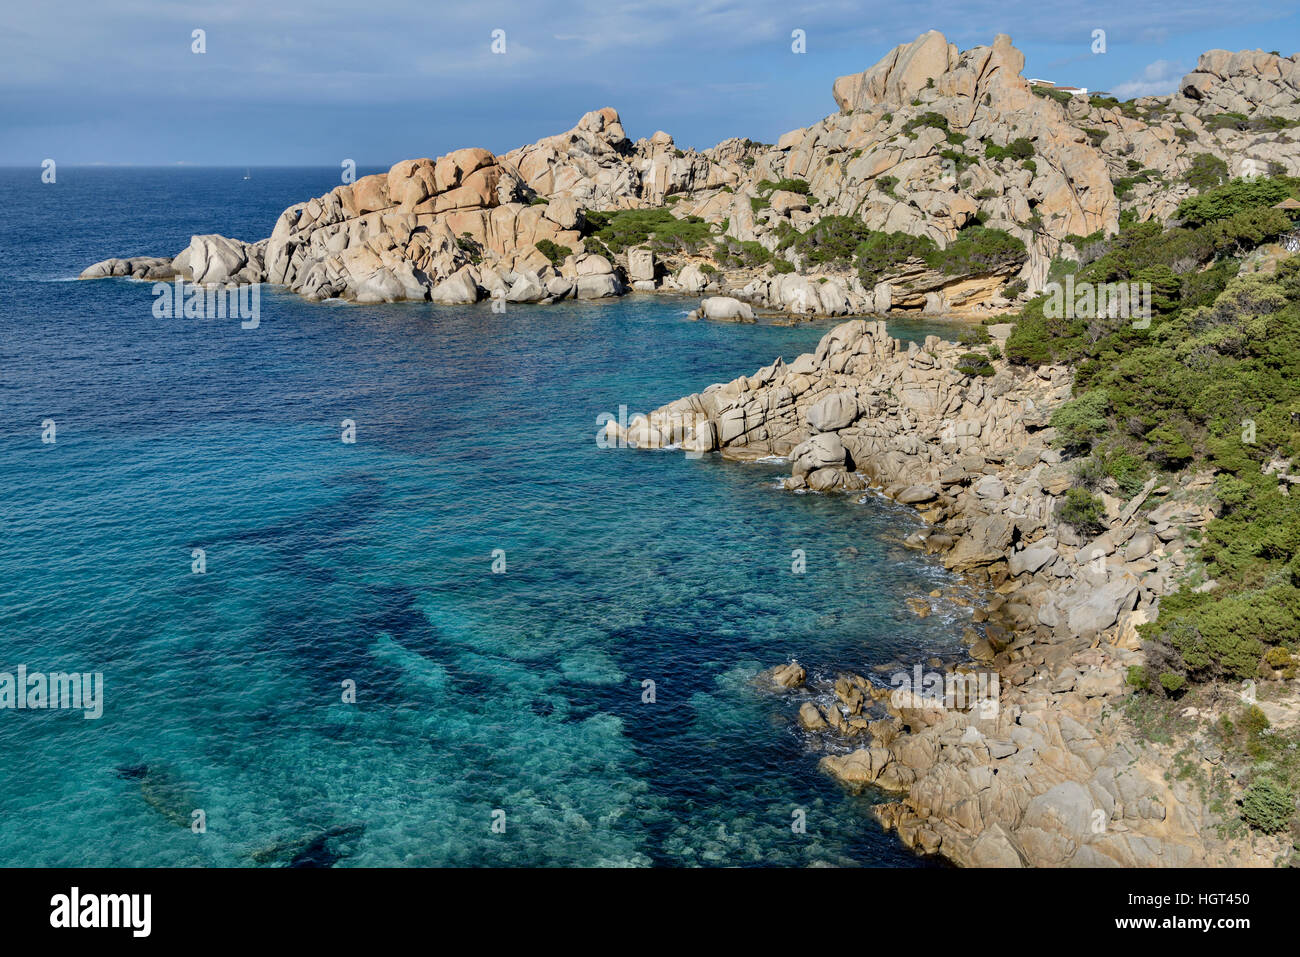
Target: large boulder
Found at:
459, 288
640, 264
1096, 609
599, 286
819, 452
692, 279
218, 259
833, 412
726, 309
1030, 560
899, 75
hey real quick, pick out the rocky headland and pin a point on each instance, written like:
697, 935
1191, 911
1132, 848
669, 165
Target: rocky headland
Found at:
927, 144
1050, 772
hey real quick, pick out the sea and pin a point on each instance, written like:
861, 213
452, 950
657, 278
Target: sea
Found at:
364, 589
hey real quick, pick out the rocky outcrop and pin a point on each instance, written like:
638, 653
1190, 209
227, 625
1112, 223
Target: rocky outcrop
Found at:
724, 309
919, 147
926, 142
903, 415
1043, 770
597, 166
456, 229
1247, 82
903, 73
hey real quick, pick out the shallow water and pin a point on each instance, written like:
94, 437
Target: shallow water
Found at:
372, 562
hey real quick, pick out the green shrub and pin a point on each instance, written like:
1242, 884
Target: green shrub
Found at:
1124, 185
1244, 230
1031, 342
1278, 657
959, 160
1020, 148
1267, 806
1206, 172
932, 120
831, 241
973, 335
1254, 720
1082, 511
1060, 96
1096, 136
881, 253
1225, 636
1172, 682
748, 254
556, 254
1083, 420
973, 363
1169, 447
1236, 196
1249, 124
619, 229
593, 245
471, 247
978, 250
766, 186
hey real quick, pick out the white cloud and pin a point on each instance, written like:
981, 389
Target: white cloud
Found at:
1160, 78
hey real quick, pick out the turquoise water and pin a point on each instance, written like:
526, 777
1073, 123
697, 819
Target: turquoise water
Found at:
372, 563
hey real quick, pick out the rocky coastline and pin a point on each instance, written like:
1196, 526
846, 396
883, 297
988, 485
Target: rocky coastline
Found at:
927, 145
1050, 772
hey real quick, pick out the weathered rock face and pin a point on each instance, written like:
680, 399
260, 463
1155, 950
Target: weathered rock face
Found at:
903, 73
903, 415
407, 233
982, 97
451, 230
881, 160
596, 165
1247, 82
724, 309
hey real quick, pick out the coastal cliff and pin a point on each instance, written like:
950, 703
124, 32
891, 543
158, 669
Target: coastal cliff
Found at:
962, 181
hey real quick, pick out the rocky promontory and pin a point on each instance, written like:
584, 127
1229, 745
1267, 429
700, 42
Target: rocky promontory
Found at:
932, 151
1048, 772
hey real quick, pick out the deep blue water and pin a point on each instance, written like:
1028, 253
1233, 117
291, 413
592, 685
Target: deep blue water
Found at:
372, 562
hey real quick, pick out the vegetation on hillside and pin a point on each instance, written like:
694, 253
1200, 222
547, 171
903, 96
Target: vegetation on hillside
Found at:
616, 230
844, 242
1213, 382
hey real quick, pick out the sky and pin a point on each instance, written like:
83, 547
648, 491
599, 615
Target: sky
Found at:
315, 82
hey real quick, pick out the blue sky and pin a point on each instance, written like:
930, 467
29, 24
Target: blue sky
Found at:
312, 83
